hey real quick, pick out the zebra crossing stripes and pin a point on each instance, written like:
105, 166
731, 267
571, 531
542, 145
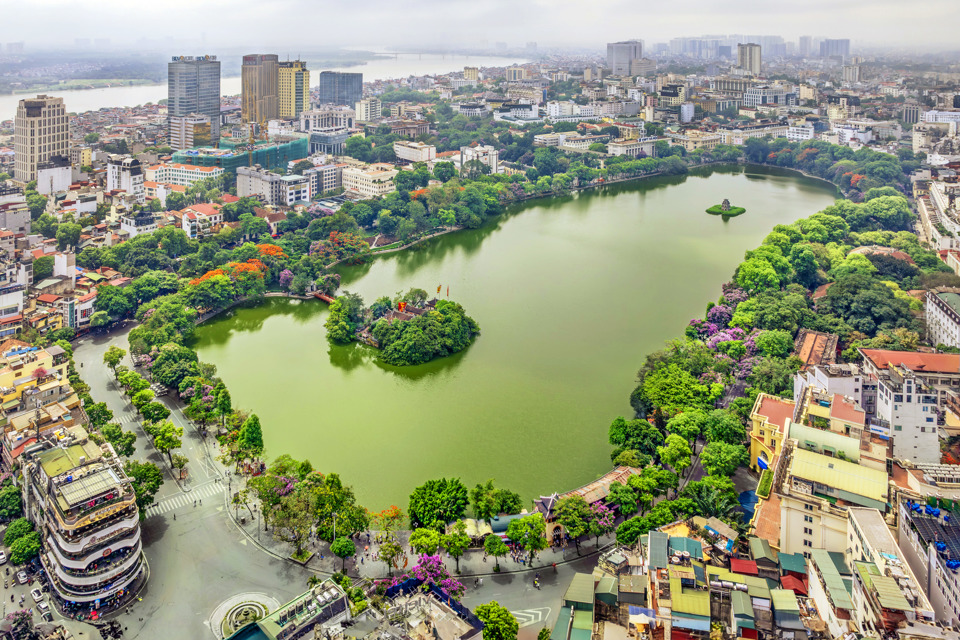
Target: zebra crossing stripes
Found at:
527, 617
182, 500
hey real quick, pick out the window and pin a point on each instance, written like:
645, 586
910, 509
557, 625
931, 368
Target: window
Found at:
807, 531
807, 543
808, 507
808, 518
806, 554
897, 427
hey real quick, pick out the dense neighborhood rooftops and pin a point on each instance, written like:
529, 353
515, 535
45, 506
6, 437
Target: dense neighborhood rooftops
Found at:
839, 474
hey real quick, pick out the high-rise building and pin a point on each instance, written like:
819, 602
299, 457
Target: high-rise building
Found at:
293, 89
193, 86
851, 73
80, 499
126, 174
369, 109
806, 45
471, 73
835, 48
41, 131
193, 130
337, 87
258, 87
748, 58
619, 55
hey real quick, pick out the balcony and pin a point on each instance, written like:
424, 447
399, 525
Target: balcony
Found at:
113, 564
95, 534
92, 582
75, 518
82, 560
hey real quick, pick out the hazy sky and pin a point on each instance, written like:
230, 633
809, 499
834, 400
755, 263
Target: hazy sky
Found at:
316, 24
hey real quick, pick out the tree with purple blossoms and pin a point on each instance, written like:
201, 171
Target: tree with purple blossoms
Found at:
431, 570
603, 520
286, 277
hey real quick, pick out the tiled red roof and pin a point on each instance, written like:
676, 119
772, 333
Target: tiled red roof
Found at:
793, 583
776, 410
914, 360
745, 567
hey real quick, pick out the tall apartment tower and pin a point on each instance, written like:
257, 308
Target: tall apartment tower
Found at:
258, 87
41, 131
806, 45
340, 88
748, 58
193, 87
835, 48
293, 89
620, 54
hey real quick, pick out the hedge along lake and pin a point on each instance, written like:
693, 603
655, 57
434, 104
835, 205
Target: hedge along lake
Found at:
571, 294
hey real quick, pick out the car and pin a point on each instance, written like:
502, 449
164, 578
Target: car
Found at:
22, 577
3, 558
37, 594
43, 607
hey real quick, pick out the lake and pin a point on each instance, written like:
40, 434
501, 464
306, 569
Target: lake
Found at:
570, 293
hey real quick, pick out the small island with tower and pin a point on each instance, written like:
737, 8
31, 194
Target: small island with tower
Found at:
724, 209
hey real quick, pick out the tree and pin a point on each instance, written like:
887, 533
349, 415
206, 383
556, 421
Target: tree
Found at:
776, 344
16, 530
154, 412
498, 622
141, 398
623, 497
112, 357
25, 549
123, 441
457, 541
99, 319
11, 502
146, 479
42, 268
722, 459
167, 437
425, 541
99, 414
496, 547
250, 439
91, 138
602, 520
688, 425
639, 435
343, 548
676, 453
390, 551
574, 514
437, 502
292, 518
179, 462
528, 533
302, 166
443, 171
489, 501
68, 235
224, 404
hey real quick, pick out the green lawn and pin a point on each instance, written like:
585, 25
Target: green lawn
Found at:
717, 210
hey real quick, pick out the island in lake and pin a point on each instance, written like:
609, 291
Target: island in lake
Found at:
408, 329
724, 209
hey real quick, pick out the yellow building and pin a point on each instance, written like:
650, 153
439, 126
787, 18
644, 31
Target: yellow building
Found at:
694, 139
24, 369
293, 89
770, 418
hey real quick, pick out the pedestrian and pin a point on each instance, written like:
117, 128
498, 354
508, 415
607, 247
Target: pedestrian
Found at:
194, 503
201, 502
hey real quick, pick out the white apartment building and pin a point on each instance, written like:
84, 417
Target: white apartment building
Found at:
409, 151
800, 133
271, 188
486, 154
943, 317
329, 116
908, 407
182, 174
471, 109
124, 173
369, 109
370, 182
41, 131
935, 115
740, 134
324, 178
138, 224
54, 175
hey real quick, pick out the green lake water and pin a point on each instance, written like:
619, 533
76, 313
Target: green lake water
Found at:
570, 294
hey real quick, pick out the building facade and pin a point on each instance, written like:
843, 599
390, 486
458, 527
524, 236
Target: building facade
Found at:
621, 54
193, 86
337, 87
82, 502
369, 182
41, 131
369, 109
180, 174
126, 174
293, 89
192, 130
410, 152
943, 317
258, 87
748, 58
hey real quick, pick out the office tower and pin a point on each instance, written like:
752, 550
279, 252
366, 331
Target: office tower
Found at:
748, 58
806, 45
911, 112
831, 48
193, 87
293, 89
340, 88
471, 73
41, 131
258, 87
619, 55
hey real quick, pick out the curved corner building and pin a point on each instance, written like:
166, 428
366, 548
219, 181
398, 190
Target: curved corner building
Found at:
82, 502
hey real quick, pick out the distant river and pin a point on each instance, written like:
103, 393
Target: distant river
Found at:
571, 294
399, 66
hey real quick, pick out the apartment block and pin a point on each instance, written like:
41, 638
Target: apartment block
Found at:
369, 110
193, 86
410, 152
180, 174
41, 131
191, 130
124, 173
258, 97
370, 182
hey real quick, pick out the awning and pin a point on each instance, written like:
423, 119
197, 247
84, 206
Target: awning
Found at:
762, 463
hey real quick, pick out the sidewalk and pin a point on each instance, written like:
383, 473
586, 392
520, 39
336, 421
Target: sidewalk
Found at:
471, 563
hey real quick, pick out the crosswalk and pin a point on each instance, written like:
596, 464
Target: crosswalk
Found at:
527, 617
182, 500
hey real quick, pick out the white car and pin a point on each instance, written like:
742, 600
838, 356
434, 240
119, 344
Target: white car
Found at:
37, 594
43, 607
22, 577
3, 557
